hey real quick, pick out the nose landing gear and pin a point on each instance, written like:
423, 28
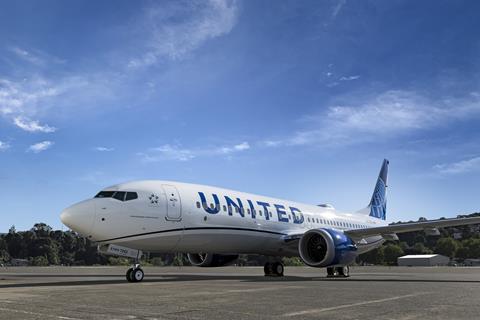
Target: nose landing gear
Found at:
135, 273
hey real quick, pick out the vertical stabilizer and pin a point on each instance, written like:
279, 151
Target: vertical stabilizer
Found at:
377, 207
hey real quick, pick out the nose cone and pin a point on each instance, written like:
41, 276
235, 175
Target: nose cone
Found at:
79, 217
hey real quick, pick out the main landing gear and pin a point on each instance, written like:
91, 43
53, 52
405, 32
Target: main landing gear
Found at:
338, 272
273, 269
135, 273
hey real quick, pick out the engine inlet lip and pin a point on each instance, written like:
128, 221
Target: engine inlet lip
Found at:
330, 252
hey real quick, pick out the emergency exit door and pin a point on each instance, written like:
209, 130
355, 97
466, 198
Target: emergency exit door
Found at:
174, 206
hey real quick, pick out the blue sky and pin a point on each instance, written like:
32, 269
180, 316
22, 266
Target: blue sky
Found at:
299, 100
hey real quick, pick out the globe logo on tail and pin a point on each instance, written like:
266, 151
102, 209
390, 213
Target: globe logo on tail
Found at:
378, 204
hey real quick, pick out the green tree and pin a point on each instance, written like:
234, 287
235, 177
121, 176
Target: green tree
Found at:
41, 229
419, 248
375, 256
447, 247
157, 261
4, 256
470, 249
292, 261
392, 252
40, 261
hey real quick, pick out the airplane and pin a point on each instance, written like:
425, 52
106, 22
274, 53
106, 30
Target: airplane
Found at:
214, 225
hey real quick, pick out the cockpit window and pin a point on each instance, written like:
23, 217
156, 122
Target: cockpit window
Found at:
131, 196
105, 194
119, 195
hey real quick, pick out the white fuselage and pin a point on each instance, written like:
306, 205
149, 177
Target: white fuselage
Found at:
174, 217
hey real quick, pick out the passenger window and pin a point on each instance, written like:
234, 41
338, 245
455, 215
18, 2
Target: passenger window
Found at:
260, 212
119, 195
225, 208
236, 209
198, 204
248, 211
308, 219
212, 206
132, 196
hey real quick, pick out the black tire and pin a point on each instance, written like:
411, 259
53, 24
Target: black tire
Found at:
331, 272
267, 269
137, 275
277, 269
343, 271
129, 275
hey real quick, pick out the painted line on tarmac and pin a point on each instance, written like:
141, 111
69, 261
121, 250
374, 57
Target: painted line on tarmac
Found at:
38, 314
344, 306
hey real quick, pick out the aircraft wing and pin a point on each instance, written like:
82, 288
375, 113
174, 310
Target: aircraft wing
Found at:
427, 226
389, 232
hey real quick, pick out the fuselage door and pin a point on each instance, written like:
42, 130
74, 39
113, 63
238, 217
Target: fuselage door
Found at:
174, 206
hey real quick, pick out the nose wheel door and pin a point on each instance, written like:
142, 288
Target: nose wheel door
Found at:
174, 206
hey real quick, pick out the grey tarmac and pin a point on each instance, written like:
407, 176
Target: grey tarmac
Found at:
239, 293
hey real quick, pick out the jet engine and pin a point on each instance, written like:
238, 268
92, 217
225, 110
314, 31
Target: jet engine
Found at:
210, 259
326, 247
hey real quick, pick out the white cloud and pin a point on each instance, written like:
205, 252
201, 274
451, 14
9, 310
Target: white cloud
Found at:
239, 147
350, 78
380, 116
4, 145
464, 166
41, 146
104, 149
24, 96
338, 7
21, 101
26, 55
32, 125
182, 27
169, 152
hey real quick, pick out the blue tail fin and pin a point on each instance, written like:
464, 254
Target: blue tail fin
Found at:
378, 204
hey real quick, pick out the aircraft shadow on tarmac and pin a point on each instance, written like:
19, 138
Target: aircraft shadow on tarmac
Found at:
117, 279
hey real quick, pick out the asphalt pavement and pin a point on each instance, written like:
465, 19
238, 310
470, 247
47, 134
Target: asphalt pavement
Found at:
239, 293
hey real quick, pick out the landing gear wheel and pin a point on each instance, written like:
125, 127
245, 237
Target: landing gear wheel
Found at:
277, 269
267, 269
137, 275
129, 275
331, 272
273, 269
134, 275
343, 271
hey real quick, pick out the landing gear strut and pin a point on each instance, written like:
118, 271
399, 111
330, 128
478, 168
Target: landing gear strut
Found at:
135, 273
338, 272
273, 269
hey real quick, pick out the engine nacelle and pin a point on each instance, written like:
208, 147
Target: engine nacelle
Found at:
326, 247
210, 259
